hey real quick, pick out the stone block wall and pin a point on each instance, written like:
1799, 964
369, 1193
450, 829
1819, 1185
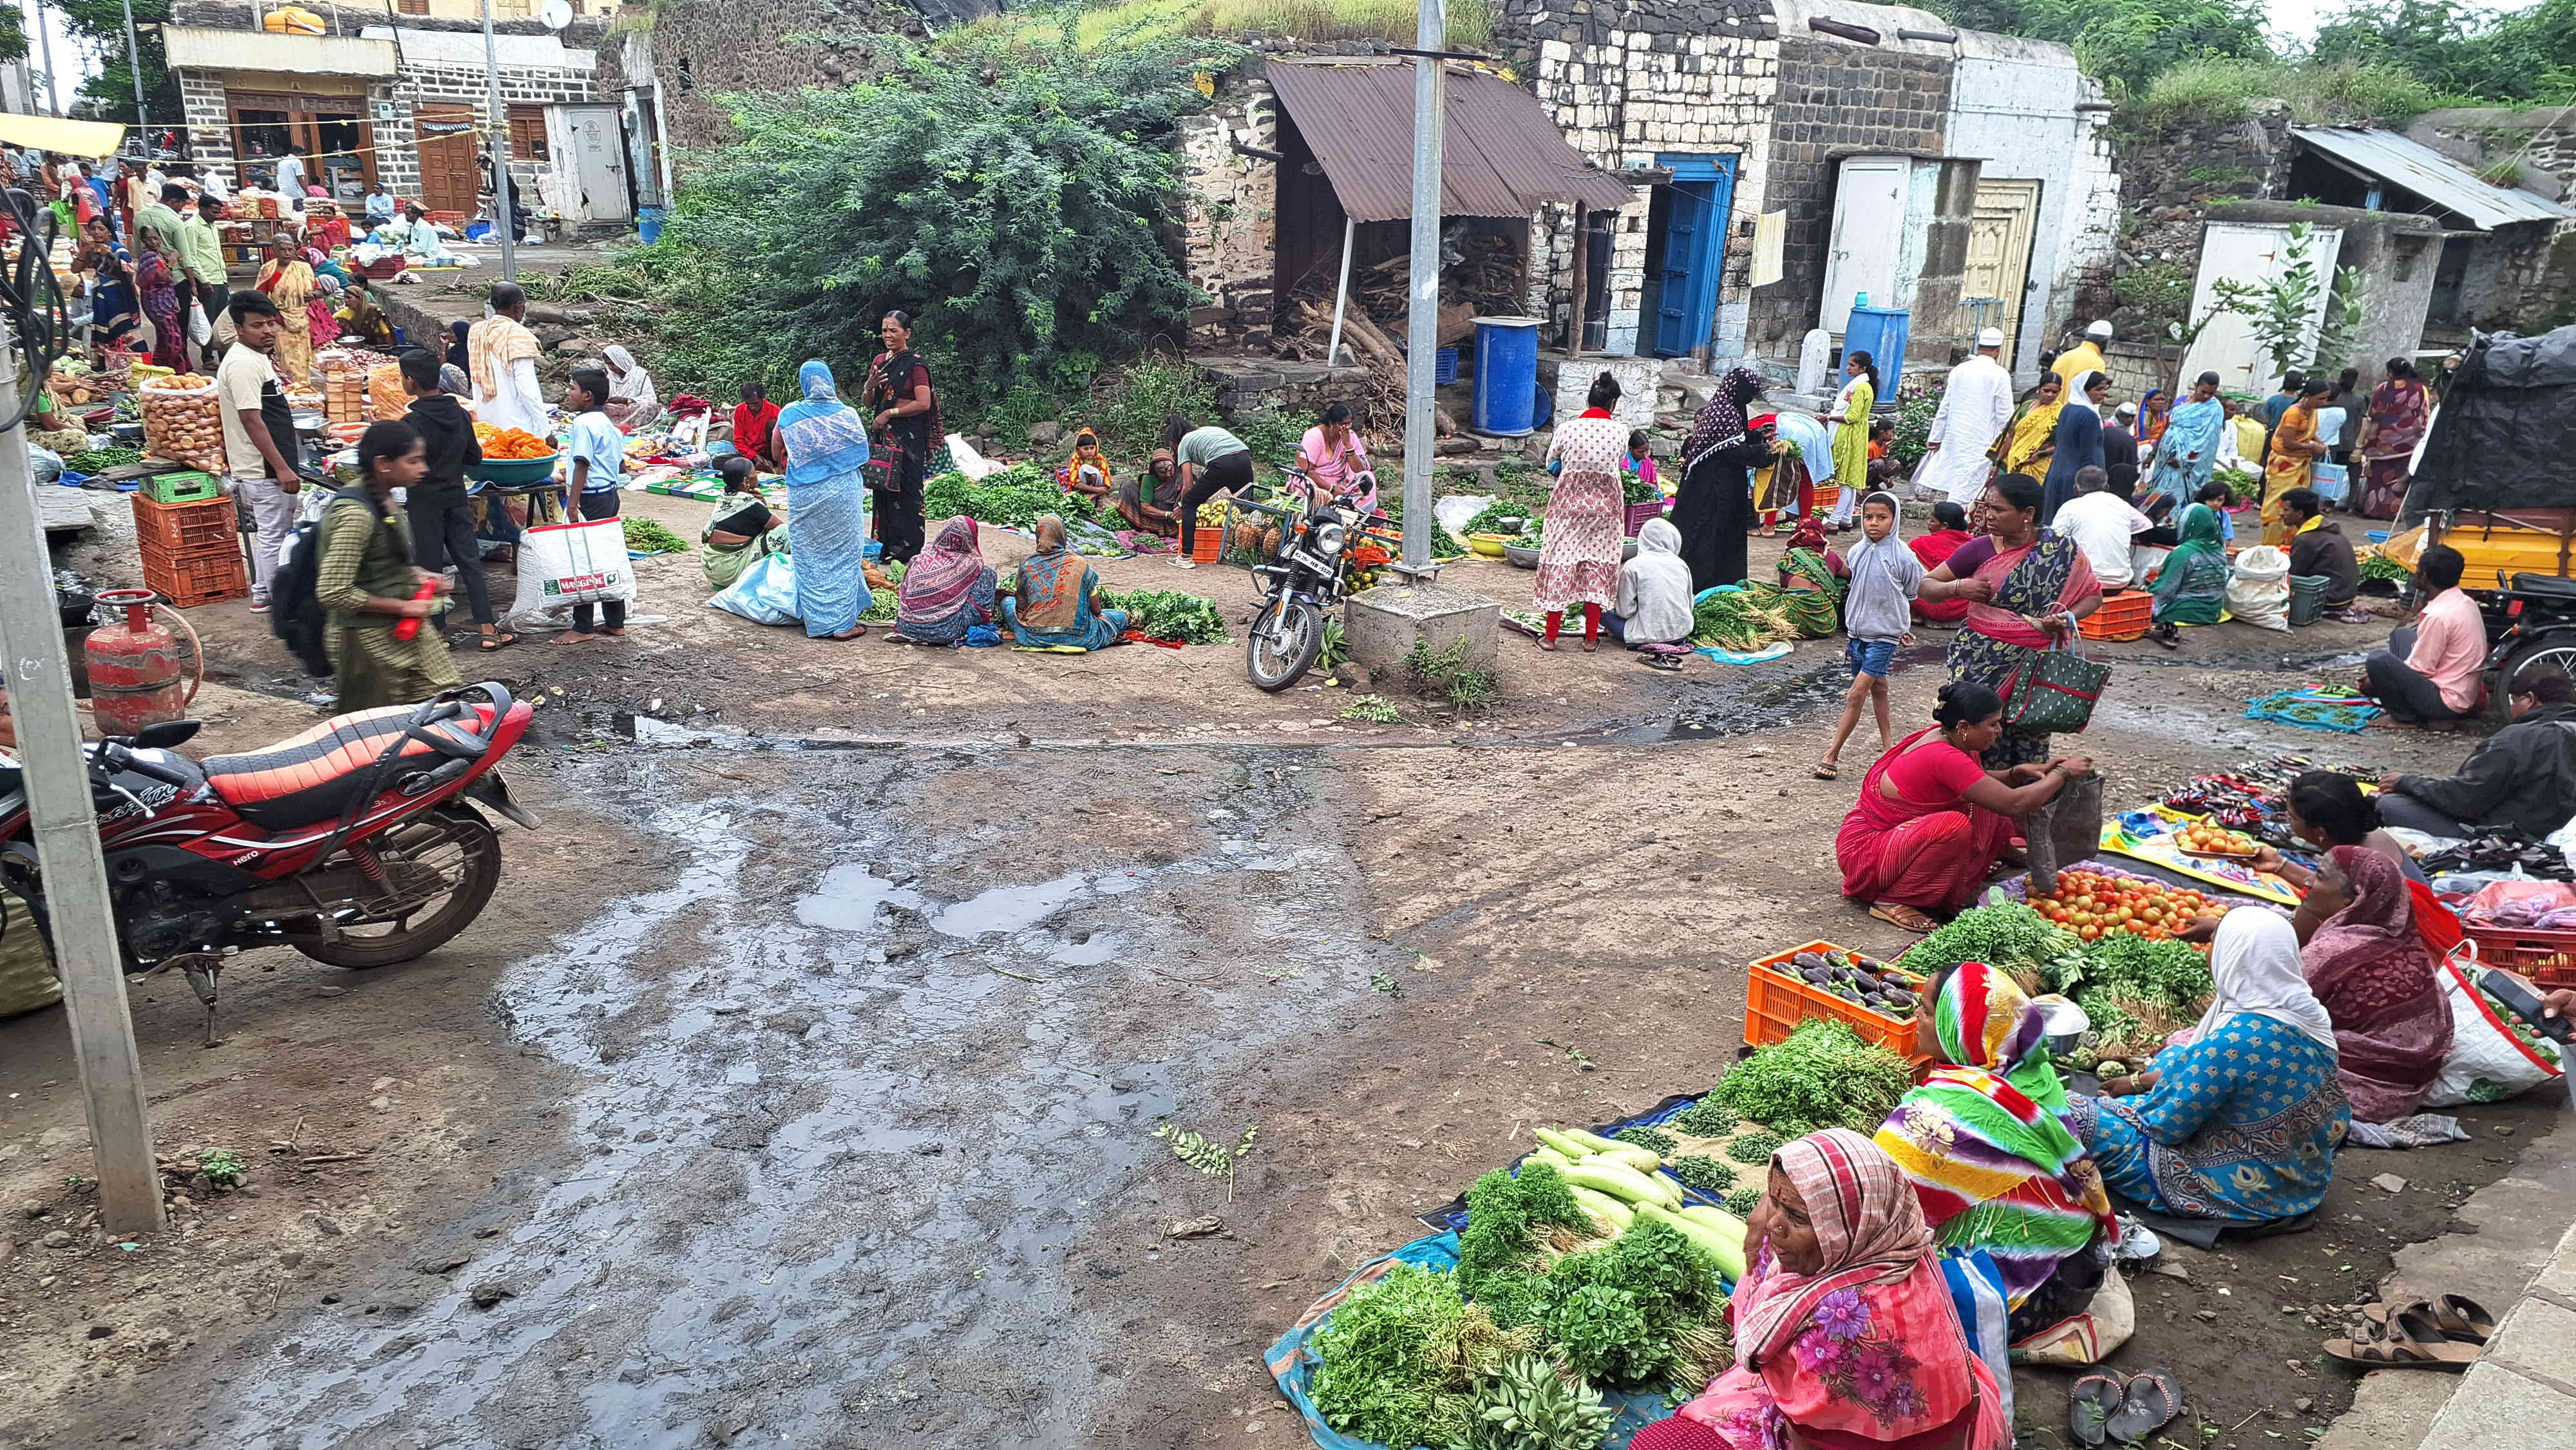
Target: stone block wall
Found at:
1836, 98
2169, 180
1229, 213
706, 49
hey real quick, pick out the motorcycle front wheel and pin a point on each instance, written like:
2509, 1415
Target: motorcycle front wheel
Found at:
1284, 643
462, 848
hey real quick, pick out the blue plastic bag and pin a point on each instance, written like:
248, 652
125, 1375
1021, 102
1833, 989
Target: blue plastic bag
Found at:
765, 594
2331, 481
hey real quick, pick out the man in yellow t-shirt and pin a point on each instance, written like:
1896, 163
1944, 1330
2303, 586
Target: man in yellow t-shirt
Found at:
2084, 357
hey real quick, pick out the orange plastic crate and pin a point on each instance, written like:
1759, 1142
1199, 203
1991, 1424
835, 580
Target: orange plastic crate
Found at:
1775, 1002
1207, 543
188, 580
2546, 957
2126, 615
185, 527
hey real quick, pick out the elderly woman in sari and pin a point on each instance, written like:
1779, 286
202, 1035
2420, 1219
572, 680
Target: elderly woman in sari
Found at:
740, 529
2032, 436
825, 443
946, 591
1051, 608
1932, 820
2191, 586
2368, 967
1992, 1165
288, 281
2026, 588
632, 402
2188, 446
1845, 1331
2242, 1120
1150, 501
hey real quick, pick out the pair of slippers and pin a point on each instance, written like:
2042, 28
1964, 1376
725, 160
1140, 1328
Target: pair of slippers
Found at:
2106, 1404
2446, 1333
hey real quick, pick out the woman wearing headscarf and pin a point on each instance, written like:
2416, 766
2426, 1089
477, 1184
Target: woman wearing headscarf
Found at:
2190, 444
2154, 411
2027, 588
946, 590
1715, 502
322, 309
1578, 557
902, 402
632, 402
1850, 417
1845, 1332
2242, 1121
2026, 443
2077, 443
825, 443
360, 317
288, 281
2191, 585
1051, 607
457, 356
1150, 501
1991, 1164
2400, 411
2367, 965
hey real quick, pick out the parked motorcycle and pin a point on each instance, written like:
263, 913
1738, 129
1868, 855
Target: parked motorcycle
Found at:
2532, 624
1310, 575
353, 843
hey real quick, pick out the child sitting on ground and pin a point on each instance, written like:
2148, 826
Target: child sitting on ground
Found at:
1884, 578
1641, 461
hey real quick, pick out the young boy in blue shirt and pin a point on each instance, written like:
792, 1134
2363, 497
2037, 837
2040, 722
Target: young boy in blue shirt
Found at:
598, 459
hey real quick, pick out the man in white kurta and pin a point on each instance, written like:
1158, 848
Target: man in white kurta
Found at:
1975, 405
502, 360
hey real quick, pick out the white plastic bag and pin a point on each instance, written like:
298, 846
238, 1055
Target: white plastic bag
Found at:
200, 331
2487, 1063
2258, 588
765, 594
578, 563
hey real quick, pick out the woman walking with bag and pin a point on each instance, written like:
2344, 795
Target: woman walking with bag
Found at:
901, 400
2027, 588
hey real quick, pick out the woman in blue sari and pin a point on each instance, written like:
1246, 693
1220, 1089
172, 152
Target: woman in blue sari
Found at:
825, 442
2190, 443
1052, 607
114, 308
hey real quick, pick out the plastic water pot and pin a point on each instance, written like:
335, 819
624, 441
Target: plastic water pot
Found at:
1506, 376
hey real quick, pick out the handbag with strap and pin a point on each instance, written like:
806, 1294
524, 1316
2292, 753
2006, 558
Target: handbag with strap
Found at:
2052, 690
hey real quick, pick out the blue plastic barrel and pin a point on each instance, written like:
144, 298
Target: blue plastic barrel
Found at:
1506, 376
1880, 332
648, 224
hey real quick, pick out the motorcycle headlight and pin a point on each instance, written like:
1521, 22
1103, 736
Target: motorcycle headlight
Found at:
1329, 537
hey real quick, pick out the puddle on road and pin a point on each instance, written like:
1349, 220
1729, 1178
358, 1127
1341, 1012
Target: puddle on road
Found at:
836, 1152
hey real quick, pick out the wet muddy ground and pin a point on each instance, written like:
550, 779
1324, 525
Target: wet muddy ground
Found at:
802, 1084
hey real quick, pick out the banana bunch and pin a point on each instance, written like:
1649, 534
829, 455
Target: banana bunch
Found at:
1529, 1406
1212, 514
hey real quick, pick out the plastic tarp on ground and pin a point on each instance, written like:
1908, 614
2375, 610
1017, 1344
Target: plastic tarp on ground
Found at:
2506, 427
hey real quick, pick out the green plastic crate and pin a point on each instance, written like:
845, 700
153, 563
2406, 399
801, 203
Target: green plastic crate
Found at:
186, 486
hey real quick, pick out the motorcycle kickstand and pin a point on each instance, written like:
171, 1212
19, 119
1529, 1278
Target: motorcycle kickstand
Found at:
203, 977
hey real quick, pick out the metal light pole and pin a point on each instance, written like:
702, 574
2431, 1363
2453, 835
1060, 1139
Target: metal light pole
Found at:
45, 39
56, 777
500, 124
134, 63
1422, 320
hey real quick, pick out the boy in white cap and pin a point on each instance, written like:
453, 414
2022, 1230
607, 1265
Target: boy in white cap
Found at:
2084, 357
1975, 404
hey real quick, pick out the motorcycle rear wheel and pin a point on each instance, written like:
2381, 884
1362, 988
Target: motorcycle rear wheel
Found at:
477, 875
1283, 644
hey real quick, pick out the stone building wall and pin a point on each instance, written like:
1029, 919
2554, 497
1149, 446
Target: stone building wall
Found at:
2169, 180
1229, 212
703, 50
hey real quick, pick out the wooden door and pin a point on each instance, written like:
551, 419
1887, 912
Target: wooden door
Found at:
449, 178
1999, 241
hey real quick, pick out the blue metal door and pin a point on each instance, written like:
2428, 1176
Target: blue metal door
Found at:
1695, 223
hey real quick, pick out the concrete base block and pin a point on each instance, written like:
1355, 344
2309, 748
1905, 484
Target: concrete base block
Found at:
1383, 623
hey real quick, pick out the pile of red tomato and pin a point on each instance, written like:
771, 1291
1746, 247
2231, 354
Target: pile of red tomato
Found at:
2090, 903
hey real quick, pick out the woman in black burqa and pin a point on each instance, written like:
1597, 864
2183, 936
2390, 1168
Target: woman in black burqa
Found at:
1715, 504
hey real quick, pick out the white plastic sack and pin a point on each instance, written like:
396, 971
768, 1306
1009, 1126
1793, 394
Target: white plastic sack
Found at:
764, 594
200, 331
968, 461
1458, 510
580, 563
2258, 588
2487, 1062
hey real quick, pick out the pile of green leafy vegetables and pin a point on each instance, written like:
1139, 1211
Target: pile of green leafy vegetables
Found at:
1167, 614
1015, 498
650, 537
1820, 1074
95, 461
2004, 934
1733, 619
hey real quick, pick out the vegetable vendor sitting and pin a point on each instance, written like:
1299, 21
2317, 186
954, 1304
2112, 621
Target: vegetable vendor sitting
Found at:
740, 529
1992, 1165
2242, 1121
1052, 607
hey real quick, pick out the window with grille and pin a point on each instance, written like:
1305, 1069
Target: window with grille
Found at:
528, 132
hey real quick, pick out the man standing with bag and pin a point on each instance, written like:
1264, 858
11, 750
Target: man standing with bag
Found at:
258, 431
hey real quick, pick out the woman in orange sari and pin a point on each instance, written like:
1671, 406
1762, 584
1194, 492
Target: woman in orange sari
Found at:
2293, 460
288, 281
1932, 820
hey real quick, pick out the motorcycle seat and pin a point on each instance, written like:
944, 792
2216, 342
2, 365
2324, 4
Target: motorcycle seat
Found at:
2545, 586
306, 780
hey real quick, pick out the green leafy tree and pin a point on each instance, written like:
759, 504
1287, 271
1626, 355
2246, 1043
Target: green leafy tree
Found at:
2126, 42
2462, 50
1007, 189
112, 89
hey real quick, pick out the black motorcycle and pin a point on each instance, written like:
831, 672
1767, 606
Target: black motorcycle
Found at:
2531, 625
1310, 574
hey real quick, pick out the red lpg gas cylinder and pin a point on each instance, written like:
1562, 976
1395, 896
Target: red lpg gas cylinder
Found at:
137, 670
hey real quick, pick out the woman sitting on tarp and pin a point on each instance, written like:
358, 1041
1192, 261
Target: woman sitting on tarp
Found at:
2242, 1120
947, 591
1991, 1164
741, 529
1150, 501
2371, 971
1052, 606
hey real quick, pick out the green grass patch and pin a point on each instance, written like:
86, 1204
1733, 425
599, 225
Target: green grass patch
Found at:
2227, 90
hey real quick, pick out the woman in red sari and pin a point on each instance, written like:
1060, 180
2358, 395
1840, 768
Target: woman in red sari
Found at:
1932, 821
2399, 413
2365, 961
1935, 549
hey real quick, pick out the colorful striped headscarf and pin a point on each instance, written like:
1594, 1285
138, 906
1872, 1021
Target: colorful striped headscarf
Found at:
1867, 1222
1991, 1164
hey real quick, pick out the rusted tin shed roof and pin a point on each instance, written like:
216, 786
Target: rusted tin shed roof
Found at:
1501, 153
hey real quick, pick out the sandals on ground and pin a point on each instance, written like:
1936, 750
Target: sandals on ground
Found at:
2090, 1404
2408, 1341
1904, 918
492, 642
1826, 770
2152, 1399
2456, 1315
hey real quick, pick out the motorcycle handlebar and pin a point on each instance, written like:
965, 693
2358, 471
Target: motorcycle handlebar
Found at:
116, 757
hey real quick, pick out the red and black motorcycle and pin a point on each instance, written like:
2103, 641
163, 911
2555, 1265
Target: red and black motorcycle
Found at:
352, 843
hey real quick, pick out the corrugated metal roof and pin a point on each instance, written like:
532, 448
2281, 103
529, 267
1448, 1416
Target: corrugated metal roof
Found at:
2431, 175
1501, 154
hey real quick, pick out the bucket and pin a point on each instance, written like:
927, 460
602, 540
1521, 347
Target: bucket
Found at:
2307, 598
1506, 376
648, 224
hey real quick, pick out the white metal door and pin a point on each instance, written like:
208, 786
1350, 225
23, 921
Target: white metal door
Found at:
596, 163
1869, 224
2253, 253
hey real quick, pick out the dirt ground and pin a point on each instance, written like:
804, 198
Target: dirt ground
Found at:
800, 1083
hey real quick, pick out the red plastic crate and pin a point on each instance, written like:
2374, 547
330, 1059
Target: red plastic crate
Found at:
2124, 616
1207, 543
188, 580
1776, 1002
2546, 957
185, 528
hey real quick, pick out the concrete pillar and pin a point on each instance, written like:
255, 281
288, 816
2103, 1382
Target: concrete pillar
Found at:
1383, 623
